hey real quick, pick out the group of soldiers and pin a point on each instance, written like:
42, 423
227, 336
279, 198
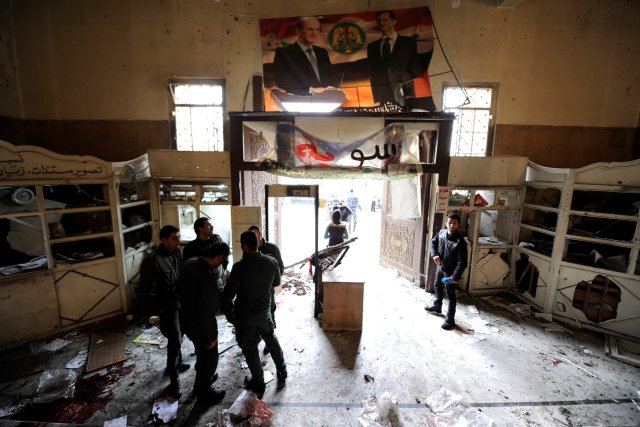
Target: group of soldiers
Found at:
184, 290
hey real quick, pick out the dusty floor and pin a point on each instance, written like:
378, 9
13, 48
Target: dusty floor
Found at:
508, 373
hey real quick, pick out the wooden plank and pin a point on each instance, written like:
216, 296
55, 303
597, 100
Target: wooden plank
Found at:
343, 302
107, 344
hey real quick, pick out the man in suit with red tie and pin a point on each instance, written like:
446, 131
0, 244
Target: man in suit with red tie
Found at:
302, 67
393, 62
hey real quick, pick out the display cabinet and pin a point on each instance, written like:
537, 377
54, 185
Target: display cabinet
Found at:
137, 219
487, 194
488, 220
579, 238
61, 264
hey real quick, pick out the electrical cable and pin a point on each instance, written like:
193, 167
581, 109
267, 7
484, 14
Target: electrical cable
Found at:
446, 59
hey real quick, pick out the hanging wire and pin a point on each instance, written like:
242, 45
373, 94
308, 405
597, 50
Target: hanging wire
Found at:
467, 101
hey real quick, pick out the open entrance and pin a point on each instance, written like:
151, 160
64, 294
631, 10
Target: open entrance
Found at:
291, 226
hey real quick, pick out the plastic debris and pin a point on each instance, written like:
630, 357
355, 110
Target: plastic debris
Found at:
249, 410
55, 384
450, 410
377, 412
369, 378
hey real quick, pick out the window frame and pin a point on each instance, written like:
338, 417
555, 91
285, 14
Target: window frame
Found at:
492, 110
177, 81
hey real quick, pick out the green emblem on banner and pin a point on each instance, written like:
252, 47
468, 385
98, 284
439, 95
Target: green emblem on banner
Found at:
347, 37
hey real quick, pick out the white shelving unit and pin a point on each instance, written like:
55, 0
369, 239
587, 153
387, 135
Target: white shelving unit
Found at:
579, 237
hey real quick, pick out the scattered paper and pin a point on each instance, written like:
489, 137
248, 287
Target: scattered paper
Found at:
472, 338
479, 325
151, 336
163, 411
77, 361
55, 345
472, 309
268, 376
116, 422
552, 327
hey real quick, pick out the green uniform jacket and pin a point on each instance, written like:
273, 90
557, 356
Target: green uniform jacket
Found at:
273, 250
158, 275
251, 283
199, 299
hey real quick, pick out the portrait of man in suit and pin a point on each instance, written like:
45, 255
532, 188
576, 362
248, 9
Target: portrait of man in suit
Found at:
392, 61
302, 68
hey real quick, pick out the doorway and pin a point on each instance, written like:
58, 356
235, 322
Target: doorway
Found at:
292, 216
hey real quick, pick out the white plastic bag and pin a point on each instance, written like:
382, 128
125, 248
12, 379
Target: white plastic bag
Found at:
56, 384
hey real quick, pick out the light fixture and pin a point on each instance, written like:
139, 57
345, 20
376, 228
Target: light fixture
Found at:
323, 102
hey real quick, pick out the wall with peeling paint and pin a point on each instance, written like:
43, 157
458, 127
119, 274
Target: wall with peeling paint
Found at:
558, 63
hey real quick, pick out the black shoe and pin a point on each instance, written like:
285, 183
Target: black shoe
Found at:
251, 385
282, 377
175, 391
265, 351
211, 397
434, 308
448, 325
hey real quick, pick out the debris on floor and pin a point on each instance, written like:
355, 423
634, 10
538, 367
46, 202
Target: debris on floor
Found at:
116, 422
55, 384
151, 336
163, 411
379, 412
55, 345
249, 410
450, 409
78, 361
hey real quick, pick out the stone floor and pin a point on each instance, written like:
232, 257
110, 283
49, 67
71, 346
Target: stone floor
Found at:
509, 372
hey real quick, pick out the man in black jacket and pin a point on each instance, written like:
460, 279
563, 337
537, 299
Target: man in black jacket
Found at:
247, 304
449, 252
302, 66
393, 62
158, 275
200, 301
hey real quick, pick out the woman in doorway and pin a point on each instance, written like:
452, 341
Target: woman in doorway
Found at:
336, 231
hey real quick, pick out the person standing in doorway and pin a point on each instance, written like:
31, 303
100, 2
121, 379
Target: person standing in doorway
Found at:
158, 276
336, 231
200, 301
247, 305
353, 203
345, 212
449, 252
272, 250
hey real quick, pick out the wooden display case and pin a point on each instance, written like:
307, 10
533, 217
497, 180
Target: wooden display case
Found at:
65, 267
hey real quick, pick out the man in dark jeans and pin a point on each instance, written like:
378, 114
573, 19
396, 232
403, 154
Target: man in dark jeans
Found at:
158, 275
449, 252
247, 305
200, 301
270, 249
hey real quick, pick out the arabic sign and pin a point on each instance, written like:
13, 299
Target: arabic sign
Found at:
443, 199
37, 163
386, 150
